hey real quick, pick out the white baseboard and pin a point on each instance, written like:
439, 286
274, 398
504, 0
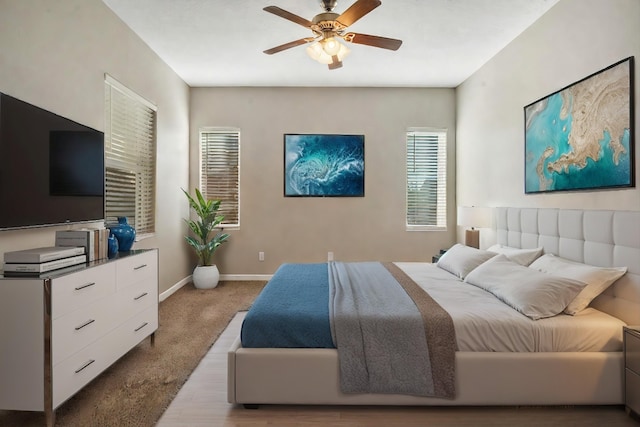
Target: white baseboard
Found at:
166, 294
238, 277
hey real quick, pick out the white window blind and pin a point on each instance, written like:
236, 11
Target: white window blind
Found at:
130, 157
426, 179
220, 171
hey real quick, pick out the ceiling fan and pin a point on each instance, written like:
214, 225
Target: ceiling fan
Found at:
328, 27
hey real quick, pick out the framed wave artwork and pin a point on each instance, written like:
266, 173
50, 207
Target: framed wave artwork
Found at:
319, 165
582, 137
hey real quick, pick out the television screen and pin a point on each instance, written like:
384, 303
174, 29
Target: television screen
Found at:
76, 163
51, 168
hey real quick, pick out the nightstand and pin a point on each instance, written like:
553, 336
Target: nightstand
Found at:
631, 342
436, 258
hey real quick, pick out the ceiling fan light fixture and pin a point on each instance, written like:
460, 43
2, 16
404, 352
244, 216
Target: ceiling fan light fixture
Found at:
331, 46
343, 52
317, 52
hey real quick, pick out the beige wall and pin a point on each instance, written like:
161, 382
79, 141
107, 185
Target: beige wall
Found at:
573, 40
305, 229
54, 54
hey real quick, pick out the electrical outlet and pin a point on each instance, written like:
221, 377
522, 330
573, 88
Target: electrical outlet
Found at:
260, 256
329, 256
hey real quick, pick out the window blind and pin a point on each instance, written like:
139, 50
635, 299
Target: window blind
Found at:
130, 157
220, 171
426, 179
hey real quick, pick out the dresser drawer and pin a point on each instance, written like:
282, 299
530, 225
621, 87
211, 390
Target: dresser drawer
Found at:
76, 330
632, 390
135, 298
80, 289
632, 350
134, 330
137, 268
75, 372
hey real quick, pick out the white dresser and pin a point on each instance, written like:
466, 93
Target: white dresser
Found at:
59, 331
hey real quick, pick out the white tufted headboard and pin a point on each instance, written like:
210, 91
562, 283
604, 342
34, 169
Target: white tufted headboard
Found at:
602, 238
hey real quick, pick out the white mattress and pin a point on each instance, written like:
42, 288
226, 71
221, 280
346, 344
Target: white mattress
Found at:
484, 323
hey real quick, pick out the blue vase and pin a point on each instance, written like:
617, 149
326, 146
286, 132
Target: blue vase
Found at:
125, 234
113, 246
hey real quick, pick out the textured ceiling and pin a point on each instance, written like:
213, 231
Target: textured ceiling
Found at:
220, 42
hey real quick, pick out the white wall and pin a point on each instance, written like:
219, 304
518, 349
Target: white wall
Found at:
572, 40
54, 54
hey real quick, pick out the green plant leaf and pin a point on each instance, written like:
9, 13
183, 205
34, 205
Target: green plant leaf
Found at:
208, 219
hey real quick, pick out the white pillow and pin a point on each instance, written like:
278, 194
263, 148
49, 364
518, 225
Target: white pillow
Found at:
536, 295
460, 259
521, 256
597, 279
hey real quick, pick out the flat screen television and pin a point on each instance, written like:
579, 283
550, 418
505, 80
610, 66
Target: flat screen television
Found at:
51, 168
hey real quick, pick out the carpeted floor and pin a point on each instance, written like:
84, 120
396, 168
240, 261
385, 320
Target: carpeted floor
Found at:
137, 389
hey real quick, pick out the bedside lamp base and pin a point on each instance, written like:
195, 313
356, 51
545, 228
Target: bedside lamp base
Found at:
472, 238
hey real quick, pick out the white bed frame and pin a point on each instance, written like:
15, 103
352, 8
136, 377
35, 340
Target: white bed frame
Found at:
602, 238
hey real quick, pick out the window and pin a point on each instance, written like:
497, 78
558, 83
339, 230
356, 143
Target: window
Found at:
426, 179
130, 157
220, 171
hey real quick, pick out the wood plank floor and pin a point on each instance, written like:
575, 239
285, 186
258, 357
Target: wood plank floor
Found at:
202, 401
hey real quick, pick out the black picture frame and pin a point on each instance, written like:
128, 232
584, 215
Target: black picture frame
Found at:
582, 136
323, 165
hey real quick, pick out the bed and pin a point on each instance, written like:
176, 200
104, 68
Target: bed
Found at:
543, 375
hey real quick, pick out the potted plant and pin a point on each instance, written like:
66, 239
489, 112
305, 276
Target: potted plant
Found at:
206, 239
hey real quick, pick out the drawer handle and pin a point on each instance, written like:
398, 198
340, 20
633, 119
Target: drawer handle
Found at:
140, 327
87, 323
85, 286
140, 266
141, 296
86, 365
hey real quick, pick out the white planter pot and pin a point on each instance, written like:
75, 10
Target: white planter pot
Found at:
206, 276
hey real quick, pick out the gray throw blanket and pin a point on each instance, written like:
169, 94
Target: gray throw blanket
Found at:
380, 324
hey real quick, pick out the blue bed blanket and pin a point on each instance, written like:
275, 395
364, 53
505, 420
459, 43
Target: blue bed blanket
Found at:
284, 317
391, 336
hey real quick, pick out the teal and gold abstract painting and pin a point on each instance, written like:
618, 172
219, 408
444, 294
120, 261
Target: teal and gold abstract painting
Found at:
324, 165
581, 137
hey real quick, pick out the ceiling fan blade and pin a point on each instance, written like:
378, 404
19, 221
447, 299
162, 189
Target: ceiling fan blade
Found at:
288, 45
357, 11
288, 15
375, 41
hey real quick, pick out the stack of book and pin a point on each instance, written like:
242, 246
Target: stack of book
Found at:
94, 241
42, 260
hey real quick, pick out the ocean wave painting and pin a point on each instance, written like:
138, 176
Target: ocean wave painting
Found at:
324, 165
